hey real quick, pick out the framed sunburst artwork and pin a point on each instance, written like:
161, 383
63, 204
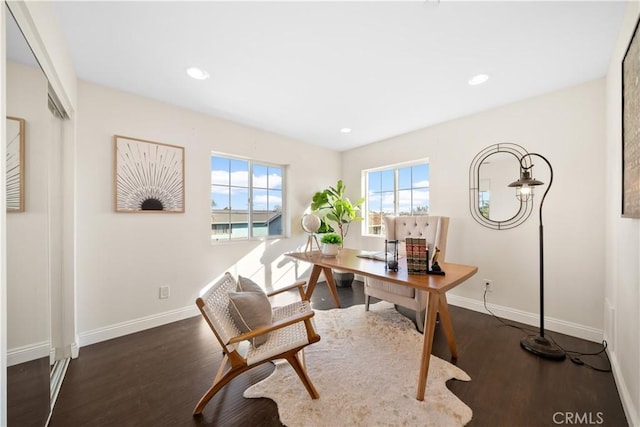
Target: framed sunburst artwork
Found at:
15, 164
149, 176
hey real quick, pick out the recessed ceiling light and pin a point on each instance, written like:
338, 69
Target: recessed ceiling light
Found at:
345, 130
478, 79
197, 73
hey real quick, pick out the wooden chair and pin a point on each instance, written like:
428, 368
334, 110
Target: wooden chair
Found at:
290, 332
432, 228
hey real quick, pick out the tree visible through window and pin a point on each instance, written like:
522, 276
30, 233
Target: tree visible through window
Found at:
246, 199
396, 190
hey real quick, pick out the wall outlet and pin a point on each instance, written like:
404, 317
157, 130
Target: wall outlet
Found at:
164, 292
488, 284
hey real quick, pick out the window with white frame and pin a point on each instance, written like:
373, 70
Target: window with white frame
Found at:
247, 199
395, 190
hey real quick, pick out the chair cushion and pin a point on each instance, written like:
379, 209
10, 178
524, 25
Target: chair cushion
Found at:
250, 309
283, 339
248, 285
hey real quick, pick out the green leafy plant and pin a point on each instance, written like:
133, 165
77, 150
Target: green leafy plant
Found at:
325, 227
333, 206
331, 239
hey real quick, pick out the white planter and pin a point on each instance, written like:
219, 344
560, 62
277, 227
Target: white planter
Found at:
330, 249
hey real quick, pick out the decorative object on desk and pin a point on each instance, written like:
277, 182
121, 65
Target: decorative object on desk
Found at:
380, 256
331, 243
332, 205
490, 203
537, 344
311, 224
435, 267
15, 164
391, 255
417, 255
435, 257
631, 127
149, 176
385, 343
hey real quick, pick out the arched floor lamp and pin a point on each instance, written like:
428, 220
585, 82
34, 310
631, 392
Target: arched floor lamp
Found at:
537, 344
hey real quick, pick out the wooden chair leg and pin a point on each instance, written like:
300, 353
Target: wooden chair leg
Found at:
303, 360
302, 374
220, 372
216, 386
366, 302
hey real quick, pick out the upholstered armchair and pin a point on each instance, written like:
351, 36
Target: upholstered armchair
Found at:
432, 228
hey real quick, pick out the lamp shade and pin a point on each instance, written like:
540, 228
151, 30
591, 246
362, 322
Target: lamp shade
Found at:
524, 185
526, 180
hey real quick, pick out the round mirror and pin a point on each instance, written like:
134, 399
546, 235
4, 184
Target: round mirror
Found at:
492, 203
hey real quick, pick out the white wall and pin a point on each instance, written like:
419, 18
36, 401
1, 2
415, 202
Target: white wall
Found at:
567, 127
622, 280
124, 258
28, 232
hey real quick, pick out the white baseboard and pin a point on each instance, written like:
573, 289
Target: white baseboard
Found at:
26, 353
630, 409
75, 348
135, 325
551, 324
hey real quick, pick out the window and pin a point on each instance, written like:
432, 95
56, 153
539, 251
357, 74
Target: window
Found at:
246, 199
395, 190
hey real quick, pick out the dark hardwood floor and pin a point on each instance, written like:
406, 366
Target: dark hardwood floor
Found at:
155, 377
28, 393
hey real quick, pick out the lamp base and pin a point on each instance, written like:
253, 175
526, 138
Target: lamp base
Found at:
540, 346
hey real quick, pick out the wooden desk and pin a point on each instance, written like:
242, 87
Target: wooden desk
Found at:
437, 286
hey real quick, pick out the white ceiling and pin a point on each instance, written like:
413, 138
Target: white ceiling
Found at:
307, 69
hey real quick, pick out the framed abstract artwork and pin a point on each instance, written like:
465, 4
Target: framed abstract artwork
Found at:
15, 164
149, 176
631, 128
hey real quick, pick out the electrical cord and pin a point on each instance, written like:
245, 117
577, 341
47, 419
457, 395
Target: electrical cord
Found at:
525, 330
574, 356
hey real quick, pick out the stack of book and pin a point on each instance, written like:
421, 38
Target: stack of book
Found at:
417, 255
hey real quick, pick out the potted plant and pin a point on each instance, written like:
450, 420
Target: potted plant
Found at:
331, 243
334, 207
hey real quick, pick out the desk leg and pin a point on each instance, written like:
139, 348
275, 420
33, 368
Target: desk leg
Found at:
313, 280
445, 321
311, 285
328, 274
427, 343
